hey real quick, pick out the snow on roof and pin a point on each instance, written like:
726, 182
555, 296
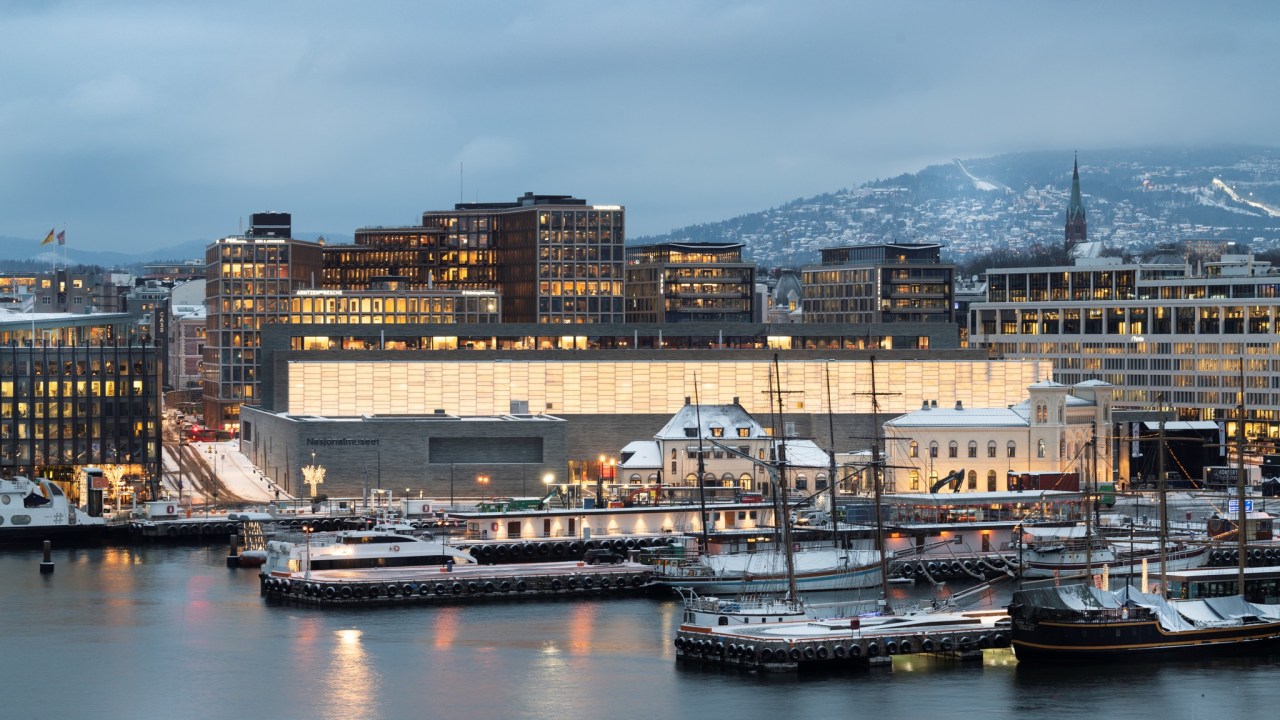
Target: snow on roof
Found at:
641, 454
806, 453
949, 418
726, 417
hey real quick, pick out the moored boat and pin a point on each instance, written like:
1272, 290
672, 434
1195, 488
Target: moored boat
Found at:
1068, 550
34, 510
1081, 623
766, 572
352, 549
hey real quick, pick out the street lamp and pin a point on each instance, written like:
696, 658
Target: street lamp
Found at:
600, 484
306, 530
484, 484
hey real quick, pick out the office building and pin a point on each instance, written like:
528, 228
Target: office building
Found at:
883, 283
1164, 333
689, 282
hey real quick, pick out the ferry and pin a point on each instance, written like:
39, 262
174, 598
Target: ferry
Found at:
353, 549
33, 510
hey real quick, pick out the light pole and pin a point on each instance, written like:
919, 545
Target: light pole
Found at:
600, 484
450, 486
484, 484
306, 530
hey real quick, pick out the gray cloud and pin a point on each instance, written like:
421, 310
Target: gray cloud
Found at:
141, 124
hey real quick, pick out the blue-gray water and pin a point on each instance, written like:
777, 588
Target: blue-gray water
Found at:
170, 632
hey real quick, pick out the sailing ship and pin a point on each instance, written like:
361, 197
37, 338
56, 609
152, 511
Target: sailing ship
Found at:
1083, 623
1057, 550
766, 585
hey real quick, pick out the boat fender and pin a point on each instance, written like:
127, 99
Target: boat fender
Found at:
173, 530
406, 589
520, 586
838, 651
572, 582
933, 568
809, 653
680, 642
505, 586
890, 647
904, 647
501, 550
1256, 554
575, 548
457, 588
424, 589
748, 652
543, 548
629, 543
822, 652
558, 549
490, 587
606, 583
926, 645
965, 642
718, 648
588, 583
472, 587
555, 584
985, 642
873, 650
344, 592
637, 580
529, 549
393, 590
766, 655
795, 653
732, 649
945, 644
999, 640
439, 588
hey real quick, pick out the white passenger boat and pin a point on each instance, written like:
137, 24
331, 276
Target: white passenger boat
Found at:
352, 549
32, 510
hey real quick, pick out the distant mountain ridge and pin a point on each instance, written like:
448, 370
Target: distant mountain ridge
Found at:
12, 248
1134, 199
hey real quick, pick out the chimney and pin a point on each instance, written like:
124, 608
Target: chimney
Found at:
959, 404
935, 404
924, 405
687, 399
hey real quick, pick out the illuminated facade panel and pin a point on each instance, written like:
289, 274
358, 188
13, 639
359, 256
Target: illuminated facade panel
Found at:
317, 386
879, 283
689, 282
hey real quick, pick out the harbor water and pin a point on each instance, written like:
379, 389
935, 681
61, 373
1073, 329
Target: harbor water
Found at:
171, 632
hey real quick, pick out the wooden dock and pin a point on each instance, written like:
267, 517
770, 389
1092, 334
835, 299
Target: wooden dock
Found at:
523, 581
802, 645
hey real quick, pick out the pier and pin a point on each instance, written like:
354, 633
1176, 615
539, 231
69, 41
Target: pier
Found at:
388, 586
792, 646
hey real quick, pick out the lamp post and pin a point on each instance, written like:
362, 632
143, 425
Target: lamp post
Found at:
450, 486
600, 484
484, 484
306, 530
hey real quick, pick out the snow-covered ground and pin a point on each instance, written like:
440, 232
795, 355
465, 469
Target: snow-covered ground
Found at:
233, 468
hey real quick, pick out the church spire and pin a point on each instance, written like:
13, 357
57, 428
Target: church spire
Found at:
1077, 230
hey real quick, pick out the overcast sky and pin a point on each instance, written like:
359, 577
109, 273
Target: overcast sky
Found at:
138, 125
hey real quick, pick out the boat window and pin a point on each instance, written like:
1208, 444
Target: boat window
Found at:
55, 489
21, 519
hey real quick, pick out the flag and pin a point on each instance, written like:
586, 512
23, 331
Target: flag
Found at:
62, 238
48, 238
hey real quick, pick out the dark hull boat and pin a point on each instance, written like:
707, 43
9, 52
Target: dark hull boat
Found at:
1079, 623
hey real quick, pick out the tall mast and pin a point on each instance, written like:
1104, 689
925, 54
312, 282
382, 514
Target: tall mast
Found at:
785, 515
1164, 510
1088, 506
1243, 516
876, 476
831, 474
704, 540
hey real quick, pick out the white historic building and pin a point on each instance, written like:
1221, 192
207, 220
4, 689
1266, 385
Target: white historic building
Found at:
670, 459
1053, 431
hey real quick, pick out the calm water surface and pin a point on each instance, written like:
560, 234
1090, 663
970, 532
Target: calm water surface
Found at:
163, 632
